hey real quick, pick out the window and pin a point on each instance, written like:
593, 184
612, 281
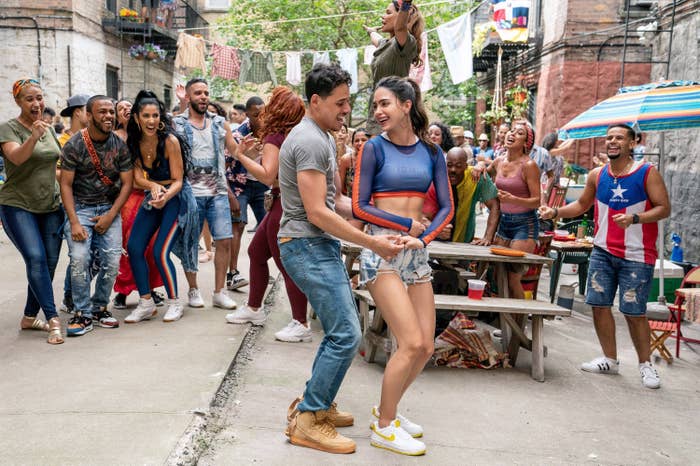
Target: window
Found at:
217, 4
532, 106
111, 5
167, 96
112, 82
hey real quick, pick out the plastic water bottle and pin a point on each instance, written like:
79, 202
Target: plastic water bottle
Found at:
677, 251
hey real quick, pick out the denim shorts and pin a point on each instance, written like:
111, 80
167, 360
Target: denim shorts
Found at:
517, 227
607, 273
411, 265
217, 212
254, 196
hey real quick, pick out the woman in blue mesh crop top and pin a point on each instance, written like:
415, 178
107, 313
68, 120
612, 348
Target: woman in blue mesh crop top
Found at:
157, 151
393, 174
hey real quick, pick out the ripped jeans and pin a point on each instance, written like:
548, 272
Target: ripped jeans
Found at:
109, 248
607, 273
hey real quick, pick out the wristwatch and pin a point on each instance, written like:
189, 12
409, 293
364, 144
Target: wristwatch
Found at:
635, 218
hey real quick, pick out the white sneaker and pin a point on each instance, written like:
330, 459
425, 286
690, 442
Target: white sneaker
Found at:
194, 298
144, 311
294, 332
174, 311
245, 315
394, 438
601, 365
413, 429
223, 300
650, 378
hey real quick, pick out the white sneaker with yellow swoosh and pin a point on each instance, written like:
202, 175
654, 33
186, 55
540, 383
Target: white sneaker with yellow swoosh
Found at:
414, 430
394, 438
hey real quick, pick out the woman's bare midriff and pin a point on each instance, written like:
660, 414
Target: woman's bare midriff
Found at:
411, 207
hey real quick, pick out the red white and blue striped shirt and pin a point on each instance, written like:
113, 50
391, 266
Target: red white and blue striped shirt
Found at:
625, 195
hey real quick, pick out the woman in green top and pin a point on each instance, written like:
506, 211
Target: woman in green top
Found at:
29, 203
394, 56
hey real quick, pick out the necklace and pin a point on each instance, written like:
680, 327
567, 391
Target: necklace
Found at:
622, 172
148, 152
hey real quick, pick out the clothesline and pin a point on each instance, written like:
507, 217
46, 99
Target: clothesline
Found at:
313, 18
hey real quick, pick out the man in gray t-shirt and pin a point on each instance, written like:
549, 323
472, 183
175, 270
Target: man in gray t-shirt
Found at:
310, 198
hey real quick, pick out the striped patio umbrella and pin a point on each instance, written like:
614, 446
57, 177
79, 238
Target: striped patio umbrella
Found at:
666, 105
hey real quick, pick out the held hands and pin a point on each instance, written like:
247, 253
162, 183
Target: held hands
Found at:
387, 246
158, 196
546, 212
417, 229
622, 220
409, 242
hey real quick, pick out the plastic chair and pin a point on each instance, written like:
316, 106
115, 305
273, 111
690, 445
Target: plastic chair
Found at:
691, 280
579, 258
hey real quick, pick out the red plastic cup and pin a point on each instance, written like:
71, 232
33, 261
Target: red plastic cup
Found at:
476, 289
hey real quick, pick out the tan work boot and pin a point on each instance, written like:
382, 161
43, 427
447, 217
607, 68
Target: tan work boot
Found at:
314, 430
338, 418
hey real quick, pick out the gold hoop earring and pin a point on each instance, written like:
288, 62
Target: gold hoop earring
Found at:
161, 126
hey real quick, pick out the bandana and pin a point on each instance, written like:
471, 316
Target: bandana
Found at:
21, 84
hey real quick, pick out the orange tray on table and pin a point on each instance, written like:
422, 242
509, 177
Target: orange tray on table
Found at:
507, 252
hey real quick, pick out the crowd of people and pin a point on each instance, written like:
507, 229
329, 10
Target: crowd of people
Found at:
128, 184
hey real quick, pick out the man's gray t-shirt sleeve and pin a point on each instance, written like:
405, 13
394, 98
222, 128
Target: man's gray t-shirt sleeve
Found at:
311, 158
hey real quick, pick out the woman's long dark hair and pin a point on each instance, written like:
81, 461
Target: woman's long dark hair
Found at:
406, 89
448, 141
134, 133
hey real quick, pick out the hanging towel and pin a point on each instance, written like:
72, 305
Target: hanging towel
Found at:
421, 74
348, 62
225, 62
191, 52
256, 67
293, 68
369, 54
322, 57
455, 39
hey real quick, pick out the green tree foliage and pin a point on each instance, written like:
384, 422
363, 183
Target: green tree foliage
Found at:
261, 25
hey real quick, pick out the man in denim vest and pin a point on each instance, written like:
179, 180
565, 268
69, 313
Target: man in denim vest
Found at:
96, 179
208, 134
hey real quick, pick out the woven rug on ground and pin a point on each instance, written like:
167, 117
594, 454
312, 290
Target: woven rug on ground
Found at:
467, 344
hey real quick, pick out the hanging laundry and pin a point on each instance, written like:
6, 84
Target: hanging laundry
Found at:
256, 67
369, 54
225, 62
511, 18
293, 68
322, 57
455, 39
421, 74
191, 52
348, 62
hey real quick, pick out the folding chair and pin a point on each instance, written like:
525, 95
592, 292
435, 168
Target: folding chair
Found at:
660, 331
691, 280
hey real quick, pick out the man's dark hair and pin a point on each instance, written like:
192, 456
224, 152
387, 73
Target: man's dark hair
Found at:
193, 81
630, 132
252, 102
58, 127
49, 111
239, 107
550, 141
91, 101
323, 79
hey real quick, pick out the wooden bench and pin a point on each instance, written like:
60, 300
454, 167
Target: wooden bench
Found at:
511, 311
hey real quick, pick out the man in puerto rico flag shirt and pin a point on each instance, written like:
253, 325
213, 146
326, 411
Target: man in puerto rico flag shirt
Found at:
630, 198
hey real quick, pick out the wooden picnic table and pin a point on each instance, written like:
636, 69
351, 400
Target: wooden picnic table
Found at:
449, 252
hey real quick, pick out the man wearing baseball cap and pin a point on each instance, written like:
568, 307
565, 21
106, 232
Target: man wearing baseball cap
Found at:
75, 109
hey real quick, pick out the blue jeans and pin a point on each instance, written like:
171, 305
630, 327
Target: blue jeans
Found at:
607, 273
109, 248
217, 212
146, 223
317, 268
517, 227
254, 196
38, 239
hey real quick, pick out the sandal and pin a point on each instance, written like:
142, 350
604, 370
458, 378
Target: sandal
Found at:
55, 337
33, 323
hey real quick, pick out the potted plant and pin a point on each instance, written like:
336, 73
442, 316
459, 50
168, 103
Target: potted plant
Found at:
128, 14
481, 33
137, 51
494, 116
154, 52
517, 98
